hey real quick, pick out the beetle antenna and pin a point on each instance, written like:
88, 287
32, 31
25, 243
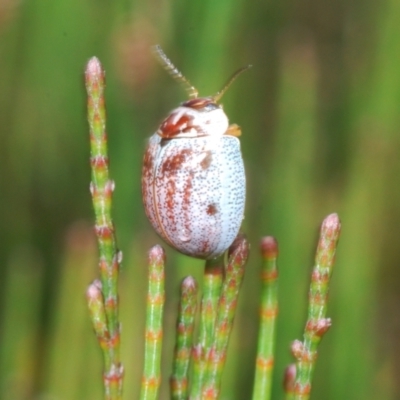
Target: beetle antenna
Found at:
228, 83
174, 72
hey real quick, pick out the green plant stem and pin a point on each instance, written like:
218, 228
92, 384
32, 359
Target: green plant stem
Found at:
184, 339
268, 314
101, 188
317, 324
213, 278
153, 332
238, 254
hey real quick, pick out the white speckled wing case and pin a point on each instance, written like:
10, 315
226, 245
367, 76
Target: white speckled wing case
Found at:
194, 192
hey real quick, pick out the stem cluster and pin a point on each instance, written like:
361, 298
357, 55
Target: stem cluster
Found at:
218, 305
220, 294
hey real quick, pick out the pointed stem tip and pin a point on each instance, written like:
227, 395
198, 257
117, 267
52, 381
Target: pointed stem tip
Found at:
93, 67
157, 255
240, 248
189, 284
331, 226
269, 247
289, 378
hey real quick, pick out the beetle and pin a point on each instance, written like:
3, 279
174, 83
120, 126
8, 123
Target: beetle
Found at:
193, 178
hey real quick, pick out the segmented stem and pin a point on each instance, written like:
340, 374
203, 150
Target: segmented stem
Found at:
317, 324
153, 332
213, 278
268, 314
101, 188
184, 339
234, 273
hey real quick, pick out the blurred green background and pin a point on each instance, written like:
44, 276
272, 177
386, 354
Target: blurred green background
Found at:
320, 117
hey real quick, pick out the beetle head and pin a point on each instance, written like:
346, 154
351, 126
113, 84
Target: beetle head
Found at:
198, 116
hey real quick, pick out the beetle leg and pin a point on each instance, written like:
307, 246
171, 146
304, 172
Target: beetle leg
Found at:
233, 130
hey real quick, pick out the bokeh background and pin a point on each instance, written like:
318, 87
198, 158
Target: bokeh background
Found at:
320, 117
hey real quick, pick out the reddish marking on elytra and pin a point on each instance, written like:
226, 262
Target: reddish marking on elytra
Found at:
148, 162
171, 186
205, 247
187, 203
211, 209
206, 162
170, 166
173, 163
